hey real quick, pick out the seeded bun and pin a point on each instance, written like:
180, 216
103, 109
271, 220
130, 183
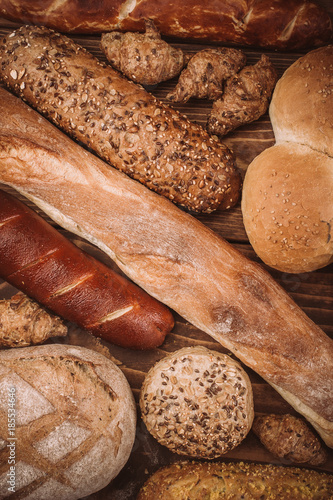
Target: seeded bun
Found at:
285, 207
288, 189
197, 402
302, 102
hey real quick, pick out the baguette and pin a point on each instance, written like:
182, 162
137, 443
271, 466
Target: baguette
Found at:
174, 257
248, 481
41, 262
120, 121
285, 24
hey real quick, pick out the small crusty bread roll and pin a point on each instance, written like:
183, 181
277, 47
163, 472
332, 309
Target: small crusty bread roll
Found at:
288, 189
73, 424
286, 208
301, 108
197, 402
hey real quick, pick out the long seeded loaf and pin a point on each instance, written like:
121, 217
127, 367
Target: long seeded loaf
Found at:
125, 125
248, 481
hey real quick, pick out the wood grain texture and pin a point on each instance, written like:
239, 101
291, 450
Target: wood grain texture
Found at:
313, 292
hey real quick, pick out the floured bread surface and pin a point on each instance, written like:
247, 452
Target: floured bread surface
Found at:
74, 422
197, 402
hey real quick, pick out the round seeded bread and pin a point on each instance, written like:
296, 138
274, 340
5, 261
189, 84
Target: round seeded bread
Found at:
197, 402
73, 424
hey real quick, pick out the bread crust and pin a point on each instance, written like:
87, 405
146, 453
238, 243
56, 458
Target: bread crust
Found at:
291, 24
287, 192
125, 125
174, 257
302, 102
75, 420
286, 210
190, 480
197, 402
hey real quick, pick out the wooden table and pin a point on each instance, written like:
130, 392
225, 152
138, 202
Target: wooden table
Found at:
313, 292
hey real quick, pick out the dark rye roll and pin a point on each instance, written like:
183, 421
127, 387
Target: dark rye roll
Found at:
125, 125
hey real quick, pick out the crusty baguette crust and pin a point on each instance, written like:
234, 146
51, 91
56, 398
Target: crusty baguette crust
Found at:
125, 125
40, 261
249, 481
174, 257
291, 24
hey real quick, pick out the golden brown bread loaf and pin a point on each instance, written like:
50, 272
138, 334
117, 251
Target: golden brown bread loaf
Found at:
119, 120
24, 322
174, 257
234, 481
73, 425
288, 189
284, 24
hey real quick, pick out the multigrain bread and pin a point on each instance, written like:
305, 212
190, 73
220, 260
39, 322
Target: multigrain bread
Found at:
289, 437
24, 322
197, 402
74, 421
288, 189
283, 24
174, 257
120, 121
246, 481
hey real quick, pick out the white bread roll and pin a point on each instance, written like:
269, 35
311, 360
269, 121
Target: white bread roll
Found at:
73, 422
285, 207
301, 108
288, 189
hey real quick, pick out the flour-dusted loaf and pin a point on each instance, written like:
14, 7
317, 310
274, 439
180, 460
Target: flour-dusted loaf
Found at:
288, 189
247, 481
173, 257
197, 402
73, 424
125, 125
282, 24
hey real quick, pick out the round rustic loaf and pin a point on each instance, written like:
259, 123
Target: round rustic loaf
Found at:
288, 189
73, 424
197, 402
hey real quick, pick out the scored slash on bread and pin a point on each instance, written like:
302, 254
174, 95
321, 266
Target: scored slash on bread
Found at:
75, 419
37, 259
